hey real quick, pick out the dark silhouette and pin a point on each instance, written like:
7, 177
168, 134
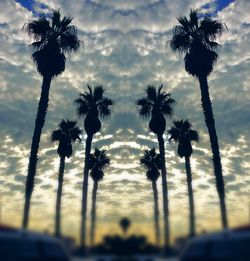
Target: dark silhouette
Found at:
152, 162
125, 224
97, 162
182, 133
125, 249
156, 105
92, 105
196, 39
66, 133
54, 37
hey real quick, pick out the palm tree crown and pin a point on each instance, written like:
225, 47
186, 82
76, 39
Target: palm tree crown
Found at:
97, 162
184, 134
54, 36
156, 104
152, 161
93, 105
66, 133
196, 38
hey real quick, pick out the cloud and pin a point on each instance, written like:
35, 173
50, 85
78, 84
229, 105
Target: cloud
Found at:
124, 49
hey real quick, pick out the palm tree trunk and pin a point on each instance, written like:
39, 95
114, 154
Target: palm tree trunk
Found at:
39, 123
59, 198
210, 122
156, 213
190, 197
164, 193
85, 191
93, 213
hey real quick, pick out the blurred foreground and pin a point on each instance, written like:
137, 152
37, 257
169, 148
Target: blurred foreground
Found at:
227, 245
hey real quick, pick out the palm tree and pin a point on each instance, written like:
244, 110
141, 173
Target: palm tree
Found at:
182, 133
54, 37
156, 105
125, 224
66, 133
152, 162
196, 39
97, 162
92, 105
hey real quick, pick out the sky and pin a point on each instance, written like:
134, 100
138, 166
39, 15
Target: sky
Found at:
124, 50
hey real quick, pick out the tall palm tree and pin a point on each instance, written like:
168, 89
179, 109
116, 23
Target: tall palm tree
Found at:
92, 105
155, 105
196, 39
152, 162
97, 162
53, 38
183, 133
66, 133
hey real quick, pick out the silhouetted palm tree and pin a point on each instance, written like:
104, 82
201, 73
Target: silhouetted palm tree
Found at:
156, 105
97, 162
91, 105
152, 162
196, 39
182, 133
125, 224
54, 37
66, 133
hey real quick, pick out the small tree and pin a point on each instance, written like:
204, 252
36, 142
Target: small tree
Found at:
152, 162
182, 133
66, 133
97, 162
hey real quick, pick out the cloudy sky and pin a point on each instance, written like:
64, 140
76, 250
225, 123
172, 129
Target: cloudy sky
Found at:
124, 50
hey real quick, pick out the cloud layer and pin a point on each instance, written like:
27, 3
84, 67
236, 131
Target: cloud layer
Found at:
124, 49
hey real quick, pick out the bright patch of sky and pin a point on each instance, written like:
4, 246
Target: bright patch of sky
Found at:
32, 6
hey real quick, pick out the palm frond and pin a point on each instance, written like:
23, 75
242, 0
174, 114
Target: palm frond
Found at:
104, 111
180, 42
103, 106
83, 106
151, 93
193, 135
56, 135
184, 23
39, 29
65, 22
146, 107
56, 19
167, 106
69, 41
174, 134
211, 28
98, 93
145, 162
193, 19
